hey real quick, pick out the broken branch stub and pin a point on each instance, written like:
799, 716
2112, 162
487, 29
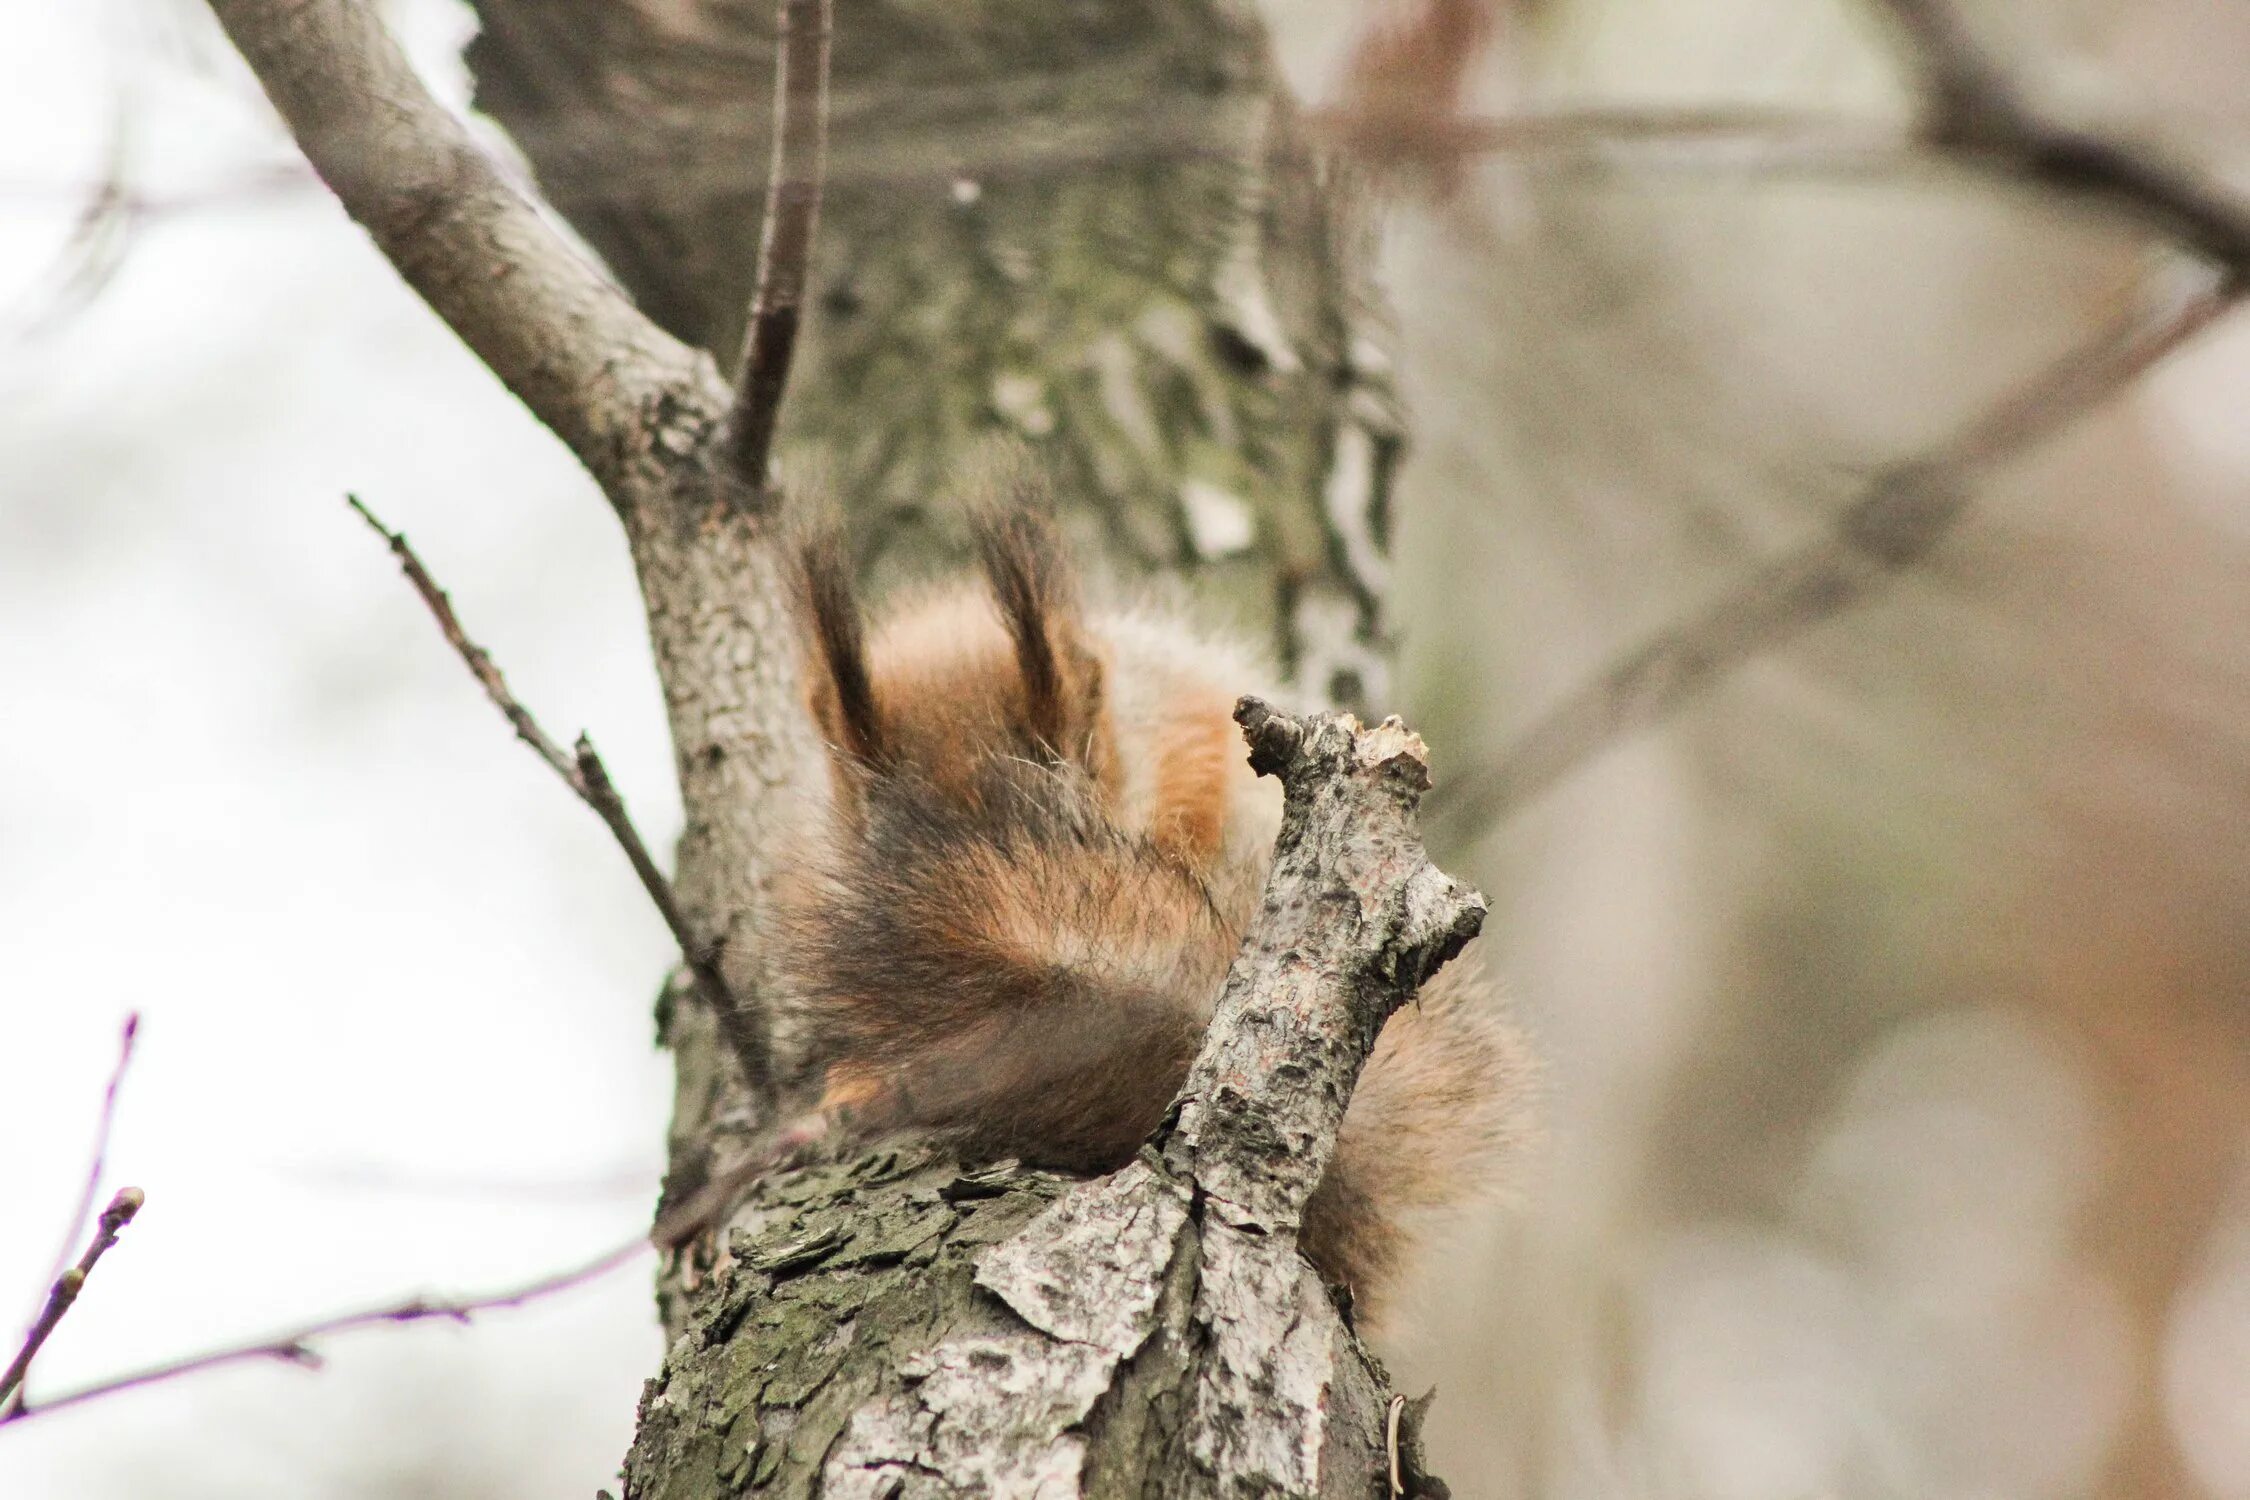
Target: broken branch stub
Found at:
1354, 919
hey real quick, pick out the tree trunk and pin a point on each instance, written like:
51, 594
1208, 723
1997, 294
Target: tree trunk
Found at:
1103, 229
1107, 232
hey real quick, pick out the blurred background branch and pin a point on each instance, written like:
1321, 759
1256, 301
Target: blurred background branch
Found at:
1975, 116
1893, 526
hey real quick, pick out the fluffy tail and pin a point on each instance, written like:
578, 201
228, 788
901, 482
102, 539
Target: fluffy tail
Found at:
1444, 1108
1011, 970
1022, 976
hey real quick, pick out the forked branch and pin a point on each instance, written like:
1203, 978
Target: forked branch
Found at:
603, 377
98, 1163
1978, 113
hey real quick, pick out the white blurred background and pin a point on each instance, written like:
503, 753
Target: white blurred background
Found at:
1898, 995
249, 792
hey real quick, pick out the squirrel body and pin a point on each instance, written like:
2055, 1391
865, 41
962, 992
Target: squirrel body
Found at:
1010, 920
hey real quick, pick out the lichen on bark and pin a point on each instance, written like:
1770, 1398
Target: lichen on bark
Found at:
1104, 230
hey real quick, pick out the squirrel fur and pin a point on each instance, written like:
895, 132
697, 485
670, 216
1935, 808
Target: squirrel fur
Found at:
1011, 918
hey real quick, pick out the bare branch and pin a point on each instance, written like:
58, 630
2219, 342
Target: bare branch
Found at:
67, 1286
1891, 527
478, 660
800, 150
742, 1028
561, 337
582, 771
295, 1346
100, 1162
1977, 113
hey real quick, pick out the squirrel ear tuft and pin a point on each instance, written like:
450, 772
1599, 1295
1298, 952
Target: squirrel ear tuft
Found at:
838, 687
1065, 709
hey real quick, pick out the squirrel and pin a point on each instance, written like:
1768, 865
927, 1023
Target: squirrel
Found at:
1008, 923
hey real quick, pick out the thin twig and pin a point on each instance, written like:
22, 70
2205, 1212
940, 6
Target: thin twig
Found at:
1892, 526
92, 1189
741, 1029
67, 1286
582, 771
295, 1346
793, 184
478, 659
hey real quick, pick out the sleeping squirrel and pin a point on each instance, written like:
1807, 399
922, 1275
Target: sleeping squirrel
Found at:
1010, 918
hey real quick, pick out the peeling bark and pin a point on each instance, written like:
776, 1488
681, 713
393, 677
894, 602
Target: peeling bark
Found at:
888, 1329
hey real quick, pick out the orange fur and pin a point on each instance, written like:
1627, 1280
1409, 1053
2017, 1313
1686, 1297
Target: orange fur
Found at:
1043, 852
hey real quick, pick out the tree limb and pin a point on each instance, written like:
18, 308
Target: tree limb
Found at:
583, 772
1354, 919
606, 380
800, 151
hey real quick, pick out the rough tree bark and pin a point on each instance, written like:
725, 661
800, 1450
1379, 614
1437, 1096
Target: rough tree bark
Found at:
899, 1327
1100, 228
1105, 230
